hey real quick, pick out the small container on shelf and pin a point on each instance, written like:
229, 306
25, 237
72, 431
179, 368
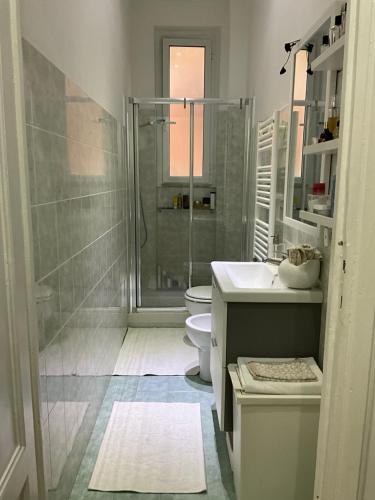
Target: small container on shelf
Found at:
325, 136
323, 208
318, 197
206, 202
325, 43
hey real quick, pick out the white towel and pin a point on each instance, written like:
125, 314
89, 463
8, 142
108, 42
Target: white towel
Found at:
250, 385
282, 371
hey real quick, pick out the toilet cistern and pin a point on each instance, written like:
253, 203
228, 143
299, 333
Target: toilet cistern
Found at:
198, 299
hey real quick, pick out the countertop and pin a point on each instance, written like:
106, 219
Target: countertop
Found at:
278, 293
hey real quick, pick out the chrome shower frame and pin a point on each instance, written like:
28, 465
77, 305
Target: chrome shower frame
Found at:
134, 205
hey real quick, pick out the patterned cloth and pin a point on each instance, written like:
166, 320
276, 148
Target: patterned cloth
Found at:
288, 371
300, 254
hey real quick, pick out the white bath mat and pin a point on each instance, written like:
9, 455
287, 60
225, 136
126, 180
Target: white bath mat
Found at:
151, 448
157, 351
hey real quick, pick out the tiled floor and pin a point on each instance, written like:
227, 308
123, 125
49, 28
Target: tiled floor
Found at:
164, 389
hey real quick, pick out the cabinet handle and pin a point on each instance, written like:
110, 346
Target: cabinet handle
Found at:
213, 342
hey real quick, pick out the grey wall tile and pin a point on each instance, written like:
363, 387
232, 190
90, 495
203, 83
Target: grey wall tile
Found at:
48, 242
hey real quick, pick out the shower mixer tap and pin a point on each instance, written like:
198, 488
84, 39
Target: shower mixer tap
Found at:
158, 121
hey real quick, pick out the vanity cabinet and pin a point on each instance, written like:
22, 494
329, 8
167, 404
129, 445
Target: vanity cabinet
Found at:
260, 329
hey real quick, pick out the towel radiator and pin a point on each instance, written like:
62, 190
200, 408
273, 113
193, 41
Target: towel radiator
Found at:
265, 186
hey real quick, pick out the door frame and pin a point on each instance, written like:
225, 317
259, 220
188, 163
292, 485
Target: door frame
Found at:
346, 443
27, 462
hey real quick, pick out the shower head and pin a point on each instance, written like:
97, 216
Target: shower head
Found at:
158, 121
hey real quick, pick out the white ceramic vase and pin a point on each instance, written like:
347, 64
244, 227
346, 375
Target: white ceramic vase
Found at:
302, 277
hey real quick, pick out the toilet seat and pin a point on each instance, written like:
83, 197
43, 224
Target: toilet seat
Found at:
200, 294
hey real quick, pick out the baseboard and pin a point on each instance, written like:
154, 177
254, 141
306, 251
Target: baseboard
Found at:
105, 317
172, 319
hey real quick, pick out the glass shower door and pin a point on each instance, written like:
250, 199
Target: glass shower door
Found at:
185, 221
162, 214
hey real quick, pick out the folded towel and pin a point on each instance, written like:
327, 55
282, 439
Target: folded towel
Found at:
296, 370
250, 385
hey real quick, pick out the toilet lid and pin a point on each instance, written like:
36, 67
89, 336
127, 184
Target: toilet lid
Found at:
203, 293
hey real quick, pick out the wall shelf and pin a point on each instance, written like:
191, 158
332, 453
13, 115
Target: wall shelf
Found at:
323, 90
320, 220
329, 147
332, 59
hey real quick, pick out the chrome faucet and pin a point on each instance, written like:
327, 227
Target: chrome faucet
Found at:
275, 260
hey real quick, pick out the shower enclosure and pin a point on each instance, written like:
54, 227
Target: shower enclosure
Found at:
188, 172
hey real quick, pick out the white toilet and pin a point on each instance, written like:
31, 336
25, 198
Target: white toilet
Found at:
198, 329
198, 299
44, 295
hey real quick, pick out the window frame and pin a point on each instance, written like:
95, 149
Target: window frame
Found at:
168, 42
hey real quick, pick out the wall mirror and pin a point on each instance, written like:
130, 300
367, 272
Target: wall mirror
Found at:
282, 160
315, 90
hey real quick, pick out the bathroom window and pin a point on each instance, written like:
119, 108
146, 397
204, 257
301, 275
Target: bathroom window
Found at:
186, 73
299, 103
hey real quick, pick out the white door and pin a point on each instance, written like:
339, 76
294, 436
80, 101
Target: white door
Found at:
18, 477
346, 444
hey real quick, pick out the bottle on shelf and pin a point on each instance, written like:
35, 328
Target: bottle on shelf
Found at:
333, 121
212, 200
185, 201
335, 30
179, 200
175, 201
343, 18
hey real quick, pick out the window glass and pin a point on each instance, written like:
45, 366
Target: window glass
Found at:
299, 94
186, 79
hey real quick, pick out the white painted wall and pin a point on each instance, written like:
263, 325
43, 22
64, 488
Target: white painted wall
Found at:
238, 57
86, 39
271, 23
148, 14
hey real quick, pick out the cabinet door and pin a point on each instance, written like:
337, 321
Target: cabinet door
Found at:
218, 383
219, 322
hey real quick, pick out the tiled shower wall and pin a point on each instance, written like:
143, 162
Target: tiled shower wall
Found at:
77, 192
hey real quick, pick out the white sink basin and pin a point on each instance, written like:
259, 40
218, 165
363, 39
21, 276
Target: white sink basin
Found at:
250, 274
257, 282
